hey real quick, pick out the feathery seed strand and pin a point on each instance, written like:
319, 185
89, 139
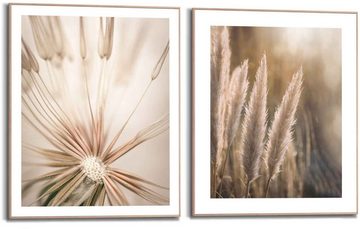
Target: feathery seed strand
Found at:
280, 134
254, 125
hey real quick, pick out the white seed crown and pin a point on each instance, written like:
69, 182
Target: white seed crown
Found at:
94, 168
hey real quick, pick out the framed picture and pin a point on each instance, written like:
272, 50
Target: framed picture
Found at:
93, 111
274, 112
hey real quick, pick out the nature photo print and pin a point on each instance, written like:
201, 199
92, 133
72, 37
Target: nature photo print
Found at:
275, 112
73, 118
86, 82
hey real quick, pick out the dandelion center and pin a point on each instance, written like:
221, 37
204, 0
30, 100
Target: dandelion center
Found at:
94, 168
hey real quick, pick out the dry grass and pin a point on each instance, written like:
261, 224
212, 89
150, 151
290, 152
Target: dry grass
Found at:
232, 92
254, 127
79, 147
312, 165
280, 133
249, 150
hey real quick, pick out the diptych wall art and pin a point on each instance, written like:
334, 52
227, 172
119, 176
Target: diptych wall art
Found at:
94, 112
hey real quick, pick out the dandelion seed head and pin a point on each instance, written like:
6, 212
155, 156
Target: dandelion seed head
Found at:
94, 168
85, 146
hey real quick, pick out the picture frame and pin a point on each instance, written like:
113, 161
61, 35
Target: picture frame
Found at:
242, 148
87, 85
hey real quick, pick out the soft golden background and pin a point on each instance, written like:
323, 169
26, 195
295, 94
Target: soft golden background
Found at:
316, 168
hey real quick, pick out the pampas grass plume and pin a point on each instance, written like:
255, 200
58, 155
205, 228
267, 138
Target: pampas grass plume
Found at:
280, 134
254, 126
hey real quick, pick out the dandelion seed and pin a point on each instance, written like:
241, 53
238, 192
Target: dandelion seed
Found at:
94, 168
28, 61
83, 51
82, 149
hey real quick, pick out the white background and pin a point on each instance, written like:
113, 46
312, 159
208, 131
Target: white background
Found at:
185, 221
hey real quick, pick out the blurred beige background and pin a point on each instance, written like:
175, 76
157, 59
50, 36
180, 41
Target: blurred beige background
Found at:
137, 45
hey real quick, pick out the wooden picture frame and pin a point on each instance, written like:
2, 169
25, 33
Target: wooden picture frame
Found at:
258, 122
88, 85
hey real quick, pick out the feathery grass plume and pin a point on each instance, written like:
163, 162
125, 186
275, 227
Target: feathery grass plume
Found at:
215, 69
236, 96
80, 159
235, 99
224, 79
231, 98
280, 134
215, 53
254, 126
238, 145
219, 117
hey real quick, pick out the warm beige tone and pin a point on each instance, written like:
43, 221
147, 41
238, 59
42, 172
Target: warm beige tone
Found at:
274, 141
95, 111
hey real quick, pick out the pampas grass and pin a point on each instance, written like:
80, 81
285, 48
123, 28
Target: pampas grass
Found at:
242, 142
231, 93
280, 134
254, 126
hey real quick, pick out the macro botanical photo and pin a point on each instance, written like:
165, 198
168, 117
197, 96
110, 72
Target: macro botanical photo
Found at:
276, 112
95, 111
